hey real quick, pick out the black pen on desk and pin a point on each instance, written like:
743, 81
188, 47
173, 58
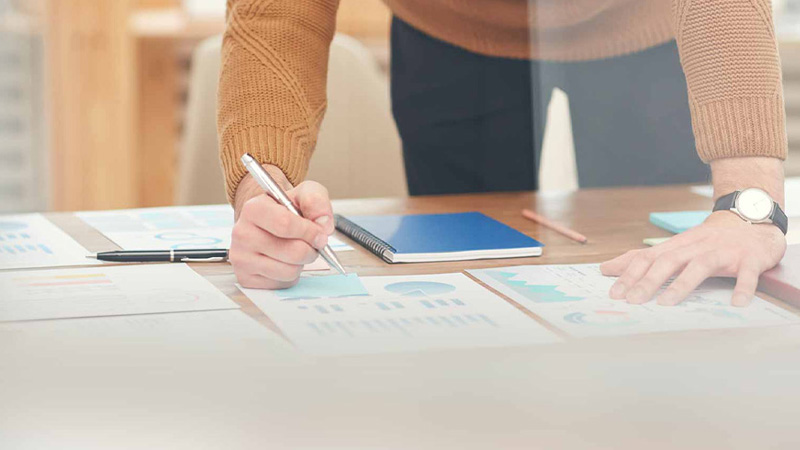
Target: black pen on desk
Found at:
177, 256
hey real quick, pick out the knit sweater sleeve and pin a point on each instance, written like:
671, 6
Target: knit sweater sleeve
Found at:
729, 55
272, 95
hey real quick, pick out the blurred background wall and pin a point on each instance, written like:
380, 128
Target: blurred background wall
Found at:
93, 95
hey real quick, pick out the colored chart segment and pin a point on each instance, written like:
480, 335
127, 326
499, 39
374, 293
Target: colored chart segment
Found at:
419, 288
533, 292
12, 226
604, 318
324, 286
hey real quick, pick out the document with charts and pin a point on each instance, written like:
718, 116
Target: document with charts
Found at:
230, 324
575, 299
179, 227
30, 240
401, 313
106, 291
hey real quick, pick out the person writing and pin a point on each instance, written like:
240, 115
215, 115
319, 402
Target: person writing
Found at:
652, 85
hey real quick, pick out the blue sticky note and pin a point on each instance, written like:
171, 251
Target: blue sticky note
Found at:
678, 222
324, 287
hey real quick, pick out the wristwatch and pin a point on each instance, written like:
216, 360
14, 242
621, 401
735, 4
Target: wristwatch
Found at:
754, 205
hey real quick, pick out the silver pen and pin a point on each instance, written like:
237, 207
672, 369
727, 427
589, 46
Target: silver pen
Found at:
273, 189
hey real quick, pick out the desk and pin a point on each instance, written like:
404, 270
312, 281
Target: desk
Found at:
614, 220
655, 391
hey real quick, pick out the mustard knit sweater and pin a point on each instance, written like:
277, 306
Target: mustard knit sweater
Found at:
275, 54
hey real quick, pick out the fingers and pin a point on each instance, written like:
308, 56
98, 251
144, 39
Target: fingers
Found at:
616, 266
259, 282
697, 271
270, 244
746, 284
249, 266
275, 219
635, 270
290, 251
313, 200
664, 267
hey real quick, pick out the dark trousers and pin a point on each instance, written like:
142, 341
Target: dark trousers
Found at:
473, 123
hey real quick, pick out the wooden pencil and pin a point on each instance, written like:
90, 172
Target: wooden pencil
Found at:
561, 229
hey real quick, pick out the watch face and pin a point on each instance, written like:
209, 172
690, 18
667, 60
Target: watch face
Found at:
754, 204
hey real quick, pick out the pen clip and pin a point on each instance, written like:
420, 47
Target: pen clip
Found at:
203, 260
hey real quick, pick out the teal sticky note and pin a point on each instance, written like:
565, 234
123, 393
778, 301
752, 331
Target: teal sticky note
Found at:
324, 287
679, 221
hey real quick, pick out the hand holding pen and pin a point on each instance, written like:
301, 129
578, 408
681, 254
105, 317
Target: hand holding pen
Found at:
270, 243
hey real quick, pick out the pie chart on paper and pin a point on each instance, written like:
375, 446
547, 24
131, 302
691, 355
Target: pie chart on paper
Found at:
419, 288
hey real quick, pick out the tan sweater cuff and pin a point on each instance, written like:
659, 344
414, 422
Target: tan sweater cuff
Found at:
751, 126
288, 150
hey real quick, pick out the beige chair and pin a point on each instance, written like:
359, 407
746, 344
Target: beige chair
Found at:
358, 152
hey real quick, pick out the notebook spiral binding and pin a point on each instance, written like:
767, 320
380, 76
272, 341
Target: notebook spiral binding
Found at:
363, 237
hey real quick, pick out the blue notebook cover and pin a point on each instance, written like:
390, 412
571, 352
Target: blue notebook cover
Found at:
438, 237
679, 221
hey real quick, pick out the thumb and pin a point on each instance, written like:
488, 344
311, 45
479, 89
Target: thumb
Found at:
314, 203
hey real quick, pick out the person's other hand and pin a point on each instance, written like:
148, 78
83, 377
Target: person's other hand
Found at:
723, 246
270, 245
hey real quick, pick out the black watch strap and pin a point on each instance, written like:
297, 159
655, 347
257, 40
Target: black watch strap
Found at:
778, 218
726, 202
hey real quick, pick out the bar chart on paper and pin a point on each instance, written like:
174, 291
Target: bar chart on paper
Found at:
30, 240
575, 299
106, 291
409, 313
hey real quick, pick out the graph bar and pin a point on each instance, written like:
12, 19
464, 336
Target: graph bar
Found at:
344, 328
399, 327
314, 327
488, 320
459, 319
447, 321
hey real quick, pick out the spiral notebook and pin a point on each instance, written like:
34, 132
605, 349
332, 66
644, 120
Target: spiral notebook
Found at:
437, 237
